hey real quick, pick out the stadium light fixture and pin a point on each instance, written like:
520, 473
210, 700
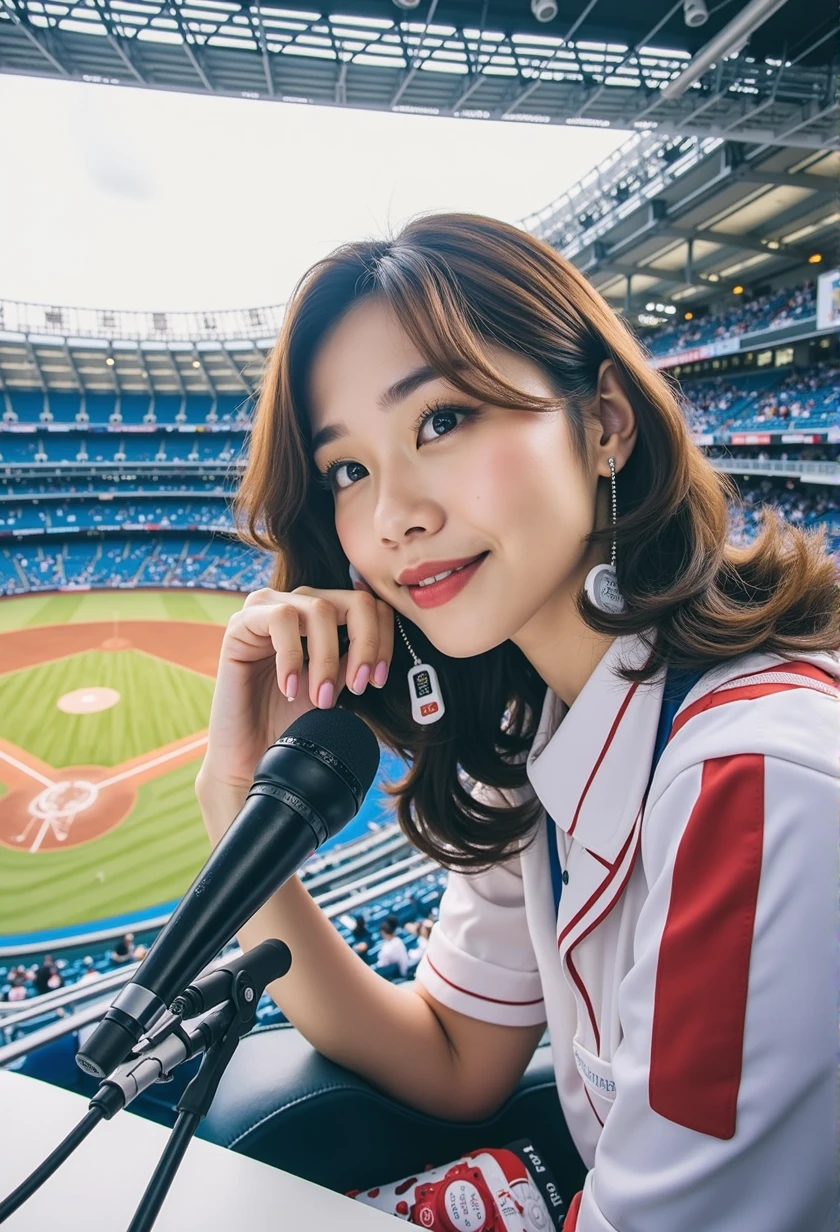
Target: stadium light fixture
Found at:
695, 13
544, 10
196, 364
109, 361
406, 4
689, 316
739, 290
713, 277
729, 40
815, 258
774, 244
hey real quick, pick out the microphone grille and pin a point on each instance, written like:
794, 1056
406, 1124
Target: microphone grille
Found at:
344, 735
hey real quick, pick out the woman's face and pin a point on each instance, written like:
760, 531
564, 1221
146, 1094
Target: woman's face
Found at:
502, 482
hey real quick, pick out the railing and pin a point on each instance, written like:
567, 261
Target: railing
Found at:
639, 168
226, 324
822, 472
315, 868
77, 994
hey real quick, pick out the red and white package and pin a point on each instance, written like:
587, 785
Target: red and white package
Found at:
504, 1189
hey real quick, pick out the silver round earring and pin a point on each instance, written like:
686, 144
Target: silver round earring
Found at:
601, 584
427, 704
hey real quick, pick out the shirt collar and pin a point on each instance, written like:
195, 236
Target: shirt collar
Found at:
590, 764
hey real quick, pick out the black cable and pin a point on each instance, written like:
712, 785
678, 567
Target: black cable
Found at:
45, 1170
164, 1174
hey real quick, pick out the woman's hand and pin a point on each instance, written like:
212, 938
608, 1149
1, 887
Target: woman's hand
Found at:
263, 684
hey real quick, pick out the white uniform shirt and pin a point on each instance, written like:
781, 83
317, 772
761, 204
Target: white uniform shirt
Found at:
688, 981
392, 950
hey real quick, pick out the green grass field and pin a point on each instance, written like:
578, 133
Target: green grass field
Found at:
161, 702
154, 855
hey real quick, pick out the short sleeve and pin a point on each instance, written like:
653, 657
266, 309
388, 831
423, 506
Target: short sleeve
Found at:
480, 960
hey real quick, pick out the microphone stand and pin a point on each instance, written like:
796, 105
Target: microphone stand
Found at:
233, 1019
231, 993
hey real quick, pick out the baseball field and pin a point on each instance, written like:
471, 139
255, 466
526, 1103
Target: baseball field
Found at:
104, 705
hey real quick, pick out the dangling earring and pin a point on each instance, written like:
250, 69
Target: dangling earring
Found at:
423, 687
423, 684
601, 585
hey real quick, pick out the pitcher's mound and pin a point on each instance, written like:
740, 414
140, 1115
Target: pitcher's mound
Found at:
88, 701
116, 643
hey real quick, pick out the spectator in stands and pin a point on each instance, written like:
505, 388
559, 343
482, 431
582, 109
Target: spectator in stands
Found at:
90, 973
17, 992
362, 939
424, 930
124, 950
393, 956
56, 979
44, 974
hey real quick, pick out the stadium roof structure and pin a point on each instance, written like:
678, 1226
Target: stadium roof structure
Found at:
55, 361
758, 72
683, 221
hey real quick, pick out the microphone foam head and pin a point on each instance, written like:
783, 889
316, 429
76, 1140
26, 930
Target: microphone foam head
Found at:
343, 735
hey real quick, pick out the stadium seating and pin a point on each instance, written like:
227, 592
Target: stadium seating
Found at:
772, 400
765, 312
412, 902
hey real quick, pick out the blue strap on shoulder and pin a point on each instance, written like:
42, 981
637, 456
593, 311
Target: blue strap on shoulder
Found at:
677, 687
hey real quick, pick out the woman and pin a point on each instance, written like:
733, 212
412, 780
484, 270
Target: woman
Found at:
361, 937
461, 396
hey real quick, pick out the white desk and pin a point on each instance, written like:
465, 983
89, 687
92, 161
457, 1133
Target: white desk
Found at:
98, 1188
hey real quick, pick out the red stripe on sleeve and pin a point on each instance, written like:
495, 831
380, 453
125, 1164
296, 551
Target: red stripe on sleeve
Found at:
702, 975
478, 996
750, 691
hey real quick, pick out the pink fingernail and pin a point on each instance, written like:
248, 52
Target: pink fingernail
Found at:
362, 678
381, 673
325, 695
291, 686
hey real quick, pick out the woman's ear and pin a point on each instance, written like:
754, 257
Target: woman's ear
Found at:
618, 419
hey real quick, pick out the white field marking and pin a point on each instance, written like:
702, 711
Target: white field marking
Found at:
55, 815
33, 774
155, 761
53, 819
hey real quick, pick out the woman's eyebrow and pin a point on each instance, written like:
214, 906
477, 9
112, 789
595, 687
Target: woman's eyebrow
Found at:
392, 396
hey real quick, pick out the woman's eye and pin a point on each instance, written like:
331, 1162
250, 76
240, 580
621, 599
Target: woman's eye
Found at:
335, 470
436, 418
443, 421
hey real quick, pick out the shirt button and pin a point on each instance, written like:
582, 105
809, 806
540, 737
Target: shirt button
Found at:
565, 876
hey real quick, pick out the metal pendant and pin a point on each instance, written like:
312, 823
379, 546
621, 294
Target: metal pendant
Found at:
601, 586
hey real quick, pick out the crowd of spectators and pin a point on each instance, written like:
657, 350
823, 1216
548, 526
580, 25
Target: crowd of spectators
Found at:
740, 316
393, 959
33, 981
60, 447
78, 515
803, 397
126, 485
798, 506
48, 976
214, 565
800, 396
392, 947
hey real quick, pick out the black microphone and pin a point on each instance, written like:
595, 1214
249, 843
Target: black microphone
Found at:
306, 788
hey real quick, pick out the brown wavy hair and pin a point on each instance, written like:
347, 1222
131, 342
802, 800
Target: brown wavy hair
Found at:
455, 282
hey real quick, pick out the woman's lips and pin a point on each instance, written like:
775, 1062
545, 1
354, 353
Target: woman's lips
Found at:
441, 592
